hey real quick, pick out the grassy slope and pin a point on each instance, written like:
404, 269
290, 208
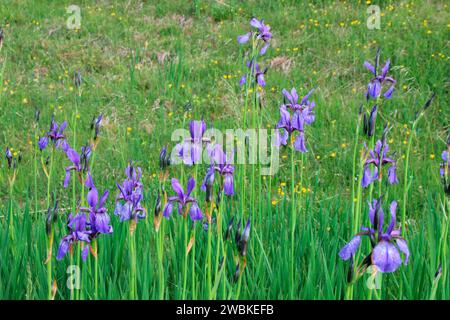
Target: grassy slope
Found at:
119, 52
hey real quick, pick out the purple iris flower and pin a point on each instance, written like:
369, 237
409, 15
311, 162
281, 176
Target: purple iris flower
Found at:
290, 125
80, 163
243, 240
256, 73
183, 200
445, 164
128, 202
220, 164
386, 246
95, 125
9, 157
375, 85
305, 106
56, 135
262, 33
77, 226
377, 159
190, 151
445, 168
98, 216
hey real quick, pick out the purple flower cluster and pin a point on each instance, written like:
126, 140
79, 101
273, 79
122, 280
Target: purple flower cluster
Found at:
128, 202
386, 246
256, 74
55, 135
191, 150
303, 114
82, 229
183, 200
378, 157
219, 164
375, 86
262, 33
80, 162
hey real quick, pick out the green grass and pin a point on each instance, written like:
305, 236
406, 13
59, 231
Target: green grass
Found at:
141, 63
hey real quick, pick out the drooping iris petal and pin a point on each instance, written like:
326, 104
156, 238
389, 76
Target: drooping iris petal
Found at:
280, 139
243, 80
260, 79
299, 143
168, 210
228, 184
374, 89
66, 179
350, 248
264, 49
367, 177
401, 243
392, 175
89, 182
244, 38
389, 92
43, 142
102, 223
63, 247
298, 121
386, 257
195, 213
85, 252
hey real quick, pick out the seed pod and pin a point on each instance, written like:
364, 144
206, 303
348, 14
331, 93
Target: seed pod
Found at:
237, 235
77, 79
438, 272
229, 228
238, 272
244, 239
37, 115
158, 205
51, 218
372, 121
164, 159
350, 270
9, 157
428, 103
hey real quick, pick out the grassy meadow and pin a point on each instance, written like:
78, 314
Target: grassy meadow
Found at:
150, 67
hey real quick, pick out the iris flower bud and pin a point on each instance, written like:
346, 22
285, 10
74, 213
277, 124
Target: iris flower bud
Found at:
229, 228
